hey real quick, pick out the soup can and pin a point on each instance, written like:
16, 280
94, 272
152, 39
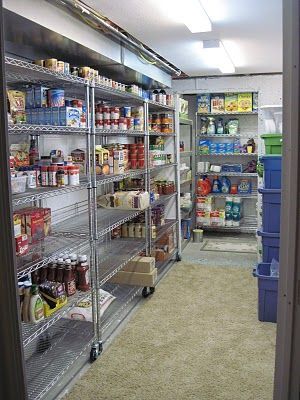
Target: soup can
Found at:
56, 97
51, 63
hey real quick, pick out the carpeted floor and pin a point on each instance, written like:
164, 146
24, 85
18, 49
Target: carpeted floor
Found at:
197, 338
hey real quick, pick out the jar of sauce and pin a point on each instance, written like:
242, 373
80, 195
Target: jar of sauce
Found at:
83, 274
52, 267
69, 279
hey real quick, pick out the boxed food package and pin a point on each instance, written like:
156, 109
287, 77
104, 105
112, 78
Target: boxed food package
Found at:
102, 160
29, 99
125, 200
21, 244
217, 103
244, 102
48, 116
40, 96
16, 102
217, 218
20, 152
41, 116
78, 157
203, 103
70, 116
140, 264
33, 224
17, 225
204, 146
34, 116
55, 116
47, 220
135, 278
231, 102
119, 167
28, 113
205, 203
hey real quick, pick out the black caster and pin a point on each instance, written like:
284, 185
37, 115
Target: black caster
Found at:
147, 291
178, 257
96, 350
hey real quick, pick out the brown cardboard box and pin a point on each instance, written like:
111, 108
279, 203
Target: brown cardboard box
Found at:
135, 278
140, 264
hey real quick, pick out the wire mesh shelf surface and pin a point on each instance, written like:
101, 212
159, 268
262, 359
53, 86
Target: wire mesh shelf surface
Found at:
154, 133
118, 132
45, 129
50, 356
159, 167
104, 179
163, 198
238, 174
169, 224
228, 113
229, 155
123, 250
154, 106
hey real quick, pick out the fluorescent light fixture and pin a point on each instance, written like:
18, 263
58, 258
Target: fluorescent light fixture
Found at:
216, 55
188, 12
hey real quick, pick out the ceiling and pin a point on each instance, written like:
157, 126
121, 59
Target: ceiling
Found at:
251, 31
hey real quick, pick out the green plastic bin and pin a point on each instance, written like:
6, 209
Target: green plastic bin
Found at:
273, 143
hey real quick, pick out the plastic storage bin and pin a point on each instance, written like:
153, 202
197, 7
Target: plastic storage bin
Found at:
267, 293
272, 171
273, 143
272, 116
18, 184
271, 210
270, 246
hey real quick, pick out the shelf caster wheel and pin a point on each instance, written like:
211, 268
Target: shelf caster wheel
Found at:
145, 293
152, 290
100, 347
178, 257
93, 354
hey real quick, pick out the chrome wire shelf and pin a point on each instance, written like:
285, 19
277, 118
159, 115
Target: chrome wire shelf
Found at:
239, 174
32, 331
161, 265
124, 250
244, 135
163, 198
53, 354
18, 129
43, 193
106, 93
104, 179
229, 155
229, 113
118, 132
43, 252
159, 167
247, 225
252, 195
154, 133
154, 106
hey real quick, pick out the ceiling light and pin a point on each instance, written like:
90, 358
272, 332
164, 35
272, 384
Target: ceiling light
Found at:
217, 56
188, 12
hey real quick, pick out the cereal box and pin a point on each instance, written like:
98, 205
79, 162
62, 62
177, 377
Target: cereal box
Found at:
217, 103
21, 244
55, 117
203, 103
245, 102
204, 146
29, 99
40, 96
231, 102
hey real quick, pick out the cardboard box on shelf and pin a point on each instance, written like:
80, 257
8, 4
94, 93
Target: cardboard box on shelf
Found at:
135, 278
140, 264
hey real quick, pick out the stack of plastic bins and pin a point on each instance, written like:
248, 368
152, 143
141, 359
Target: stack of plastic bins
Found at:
270, 234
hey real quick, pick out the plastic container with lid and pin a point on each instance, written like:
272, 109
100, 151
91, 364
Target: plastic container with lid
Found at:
73, 175
18, 184
52, 171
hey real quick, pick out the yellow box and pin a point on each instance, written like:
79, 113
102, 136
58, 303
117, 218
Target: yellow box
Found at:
245, 102
60, 302
135, 278
231, 102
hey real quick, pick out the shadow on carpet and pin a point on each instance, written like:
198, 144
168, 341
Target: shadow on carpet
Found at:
197, 338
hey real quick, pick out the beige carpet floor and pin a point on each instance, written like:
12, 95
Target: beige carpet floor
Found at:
197, 338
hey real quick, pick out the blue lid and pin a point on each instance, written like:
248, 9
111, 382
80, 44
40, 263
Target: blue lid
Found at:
268, 234
270, 157
269, 191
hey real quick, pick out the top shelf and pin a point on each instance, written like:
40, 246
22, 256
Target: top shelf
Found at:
228, 113
154, 106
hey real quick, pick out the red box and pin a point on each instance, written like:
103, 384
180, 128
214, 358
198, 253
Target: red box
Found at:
21, 244
34, 225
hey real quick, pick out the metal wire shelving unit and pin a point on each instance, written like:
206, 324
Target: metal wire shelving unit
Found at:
54, 345
248, 128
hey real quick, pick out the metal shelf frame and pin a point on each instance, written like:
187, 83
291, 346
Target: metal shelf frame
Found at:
87, 228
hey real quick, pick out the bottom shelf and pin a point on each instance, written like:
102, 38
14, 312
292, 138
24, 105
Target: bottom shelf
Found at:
247, 225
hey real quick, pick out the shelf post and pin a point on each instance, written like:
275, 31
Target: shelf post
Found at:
177, 173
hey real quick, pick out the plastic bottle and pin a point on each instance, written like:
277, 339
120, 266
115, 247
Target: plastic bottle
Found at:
220, 127
74, 264
83, 274
228, 211
236, 211
216, 186
36, 307
60, 270
26, 302
69, 279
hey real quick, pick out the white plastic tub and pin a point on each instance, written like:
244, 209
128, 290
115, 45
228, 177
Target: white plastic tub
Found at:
18, 184
272, 116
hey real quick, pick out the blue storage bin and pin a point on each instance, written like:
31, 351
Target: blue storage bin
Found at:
267, 293
270, 245
272, 171
271, 210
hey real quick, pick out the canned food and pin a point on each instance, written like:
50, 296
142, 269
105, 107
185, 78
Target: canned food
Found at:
84, 72
169, 100
115, 113
41, 63
106, 113
51, 63
100, 124
115, 124
107, 124
99, 108
126, 112
141, 163
99, 116
56, 97
137, 124
166, 118
130, 123
77, 103
60, 67
123, 124
165, 128
133, 164
75, 71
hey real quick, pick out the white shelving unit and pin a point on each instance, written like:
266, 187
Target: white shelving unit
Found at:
248, 128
